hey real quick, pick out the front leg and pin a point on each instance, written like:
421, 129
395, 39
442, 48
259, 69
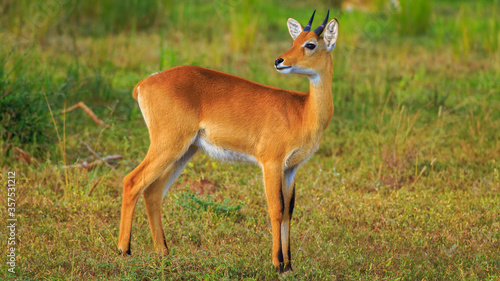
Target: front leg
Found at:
288, 191
273, 178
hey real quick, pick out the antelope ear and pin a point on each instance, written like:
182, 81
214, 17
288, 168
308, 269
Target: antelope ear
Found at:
294, 27
330, 34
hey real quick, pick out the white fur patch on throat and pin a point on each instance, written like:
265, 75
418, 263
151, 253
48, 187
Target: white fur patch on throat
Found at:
315, 79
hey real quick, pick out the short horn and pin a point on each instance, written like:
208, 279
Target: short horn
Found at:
320, 28
308, 26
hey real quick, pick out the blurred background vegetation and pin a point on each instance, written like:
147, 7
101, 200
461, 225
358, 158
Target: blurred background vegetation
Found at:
417, 115
96, 52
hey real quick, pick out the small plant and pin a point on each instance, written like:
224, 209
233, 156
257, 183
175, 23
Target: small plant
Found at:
190, 201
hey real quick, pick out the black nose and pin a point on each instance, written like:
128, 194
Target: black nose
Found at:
278, 61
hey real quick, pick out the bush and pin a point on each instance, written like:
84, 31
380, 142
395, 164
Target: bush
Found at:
24, 116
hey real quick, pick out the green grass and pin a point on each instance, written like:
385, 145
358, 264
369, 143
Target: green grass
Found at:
413, 17
405, 184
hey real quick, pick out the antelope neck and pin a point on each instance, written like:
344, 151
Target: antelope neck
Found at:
320, 99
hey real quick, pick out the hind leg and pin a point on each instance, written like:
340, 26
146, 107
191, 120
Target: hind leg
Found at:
154, 195
160, 156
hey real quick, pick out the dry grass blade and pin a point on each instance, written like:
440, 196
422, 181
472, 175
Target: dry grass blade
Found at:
89, 113
25, 156
91, 165
95, 153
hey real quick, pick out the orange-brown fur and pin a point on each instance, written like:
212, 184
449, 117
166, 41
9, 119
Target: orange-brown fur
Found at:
279, 128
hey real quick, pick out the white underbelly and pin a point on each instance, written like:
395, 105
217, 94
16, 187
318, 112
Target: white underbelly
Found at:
223, 153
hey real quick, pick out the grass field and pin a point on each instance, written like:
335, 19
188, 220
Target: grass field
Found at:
405, 184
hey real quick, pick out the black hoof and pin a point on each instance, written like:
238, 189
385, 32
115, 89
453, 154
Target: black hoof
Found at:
280, 268
128, 253
284, 268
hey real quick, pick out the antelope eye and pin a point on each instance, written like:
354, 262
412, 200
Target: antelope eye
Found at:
310, 46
